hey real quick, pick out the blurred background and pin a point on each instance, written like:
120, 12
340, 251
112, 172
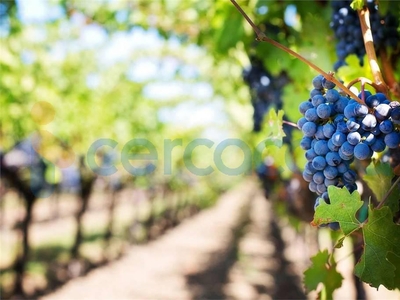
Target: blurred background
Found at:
129, 129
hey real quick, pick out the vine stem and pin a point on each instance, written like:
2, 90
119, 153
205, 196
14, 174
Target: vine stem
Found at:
388, 193
262, 37
290, 123
363, 81
363, 15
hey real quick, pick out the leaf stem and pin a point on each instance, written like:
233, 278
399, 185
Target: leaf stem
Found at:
363, 15
388, 193
262, 37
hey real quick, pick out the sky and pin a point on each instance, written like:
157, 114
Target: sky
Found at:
158, 73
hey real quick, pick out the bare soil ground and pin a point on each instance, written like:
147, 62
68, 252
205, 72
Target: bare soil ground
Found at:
237, 249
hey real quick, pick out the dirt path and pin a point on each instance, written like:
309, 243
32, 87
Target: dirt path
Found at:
173, 266
236, 250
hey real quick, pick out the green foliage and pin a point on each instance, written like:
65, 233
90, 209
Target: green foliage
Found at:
323, 270
231, 31
274, 130
379, 177
381, 236
343, 209
357, 4
381, 241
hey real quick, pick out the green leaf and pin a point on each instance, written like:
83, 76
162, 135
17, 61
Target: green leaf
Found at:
357, 4
381, 237
274, 129
379, 177
343, 209
231, 32
395, 260
323, 270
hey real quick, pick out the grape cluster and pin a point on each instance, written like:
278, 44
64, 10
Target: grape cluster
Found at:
347, 28
266, 90
337, 130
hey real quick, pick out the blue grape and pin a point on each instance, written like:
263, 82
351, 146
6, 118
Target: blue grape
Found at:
352, 124
321, 147
304, 106
317, 100
310, 154
312, 186
386, 126
392, 140
382, 111
327, 84
305, 143
353, 138
349, 176
340, 104
339, 118
321, 188
334, 226
311, 115
351, 187
318, 177
369, 122
342, 127
368, 138
395, 115
317, 202
332, 95
319, 163
362, 151
329, 182
344, 156
328, 130
319, 134
324, 111
379, 145
309, 168
347, 149
338, 138
330, 172
301, 122
350, 110
372, 101
360, 110
307, 177
342, 167
317, 82
315, 92
309, 129
333, 159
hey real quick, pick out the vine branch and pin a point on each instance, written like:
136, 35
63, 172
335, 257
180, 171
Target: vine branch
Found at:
363, 15
262, 37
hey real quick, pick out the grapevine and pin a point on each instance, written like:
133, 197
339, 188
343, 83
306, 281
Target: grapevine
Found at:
341, 129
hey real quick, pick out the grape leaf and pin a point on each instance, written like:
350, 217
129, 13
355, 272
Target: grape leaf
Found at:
381, 237
274, 131
343, 209
357, 4
378, 177
323, 270
395, 260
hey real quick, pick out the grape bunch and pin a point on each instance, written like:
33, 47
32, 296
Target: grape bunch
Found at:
336, 130
265, 89
347, 28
